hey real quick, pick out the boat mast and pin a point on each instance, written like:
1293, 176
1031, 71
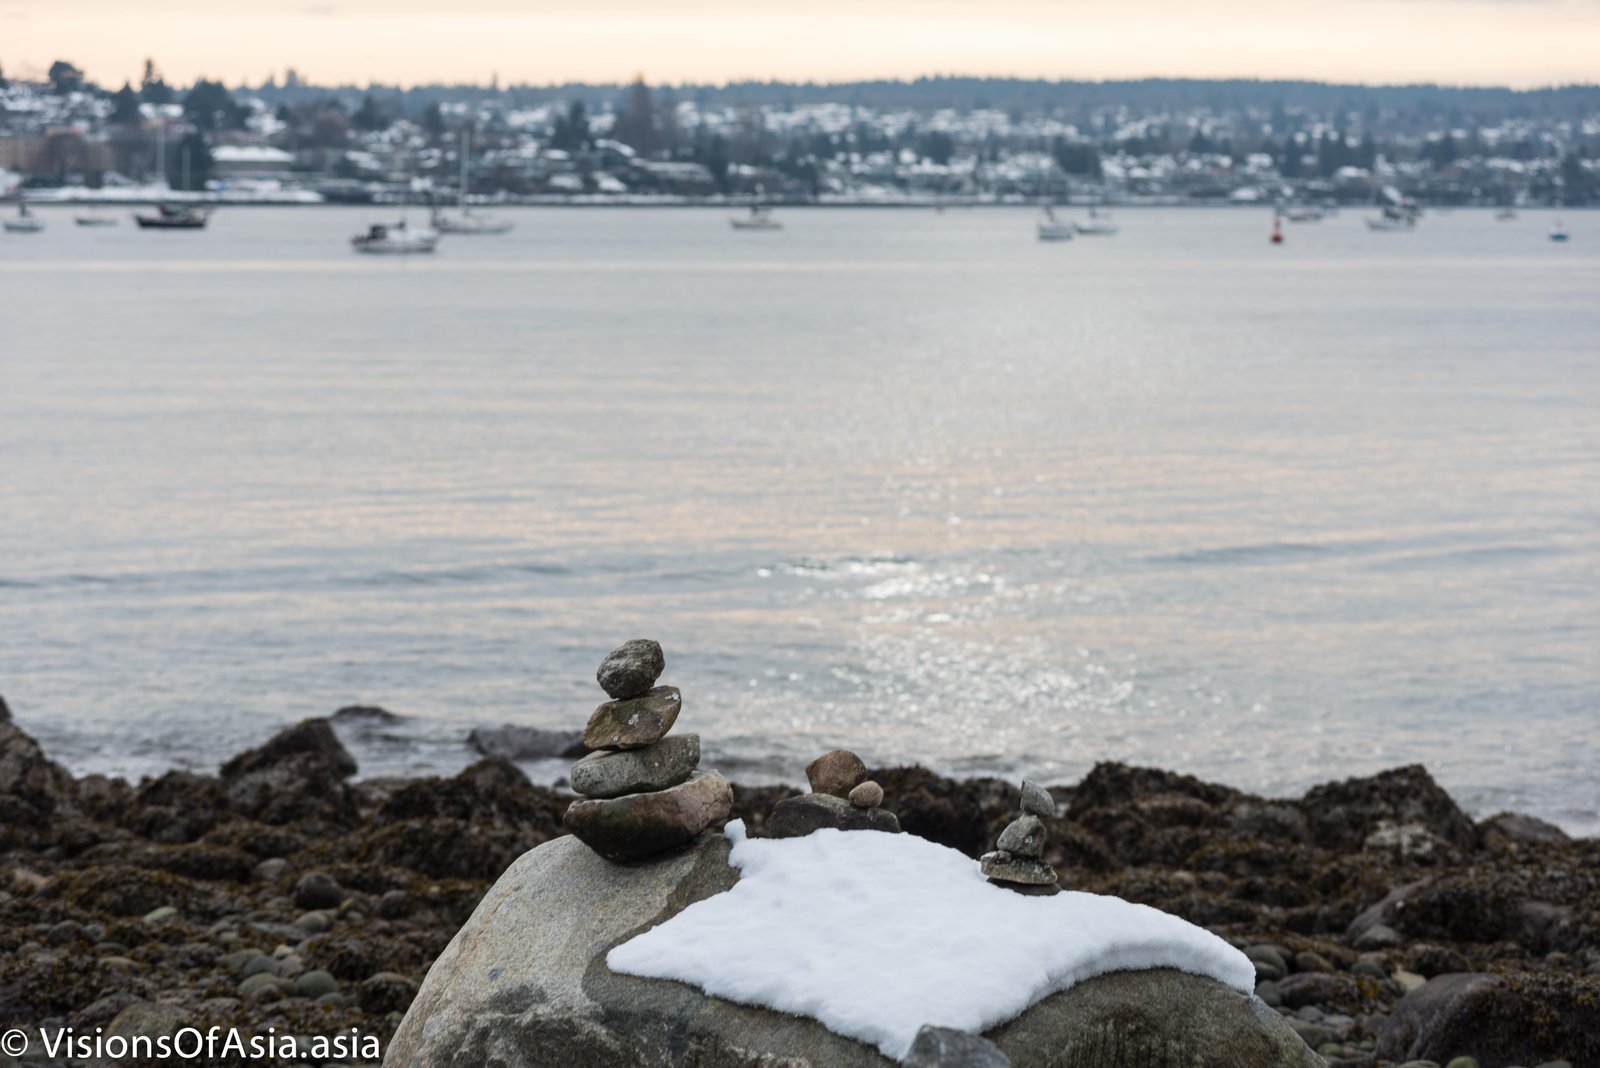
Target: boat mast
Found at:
466, 147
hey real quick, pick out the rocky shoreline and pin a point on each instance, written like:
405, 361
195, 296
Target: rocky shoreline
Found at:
282, 893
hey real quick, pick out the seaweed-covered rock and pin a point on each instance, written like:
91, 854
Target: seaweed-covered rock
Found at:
1498, 1019
1343, 814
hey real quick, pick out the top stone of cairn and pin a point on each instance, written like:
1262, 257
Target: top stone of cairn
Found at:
631, 668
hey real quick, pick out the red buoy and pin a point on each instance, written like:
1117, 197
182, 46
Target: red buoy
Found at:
1277, 229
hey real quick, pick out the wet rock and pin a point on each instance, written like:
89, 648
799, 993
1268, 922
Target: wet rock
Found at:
866, 795
313, 737
634, 722
653, 767
144, 1019
631, 668
1036, 801
642, 825
945, 1047
1511, 1018
365, 716
1429, 960
32, 786
1378, 936
1512, 832
836, 773
510, 742
317, 890
1004, 867
1317, 988
796, 817
1341, 815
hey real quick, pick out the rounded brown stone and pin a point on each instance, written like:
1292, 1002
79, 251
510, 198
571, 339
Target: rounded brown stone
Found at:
836, 773
635, 722
867, 795
641, 825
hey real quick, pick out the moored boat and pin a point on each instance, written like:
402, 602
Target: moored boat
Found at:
1100, 224
1054, 229
170, 217
760, 218
394, 239
25, 222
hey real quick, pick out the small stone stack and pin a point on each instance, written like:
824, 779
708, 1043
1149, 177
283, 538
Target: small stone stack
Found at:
841, 797
1017, 862
642, 794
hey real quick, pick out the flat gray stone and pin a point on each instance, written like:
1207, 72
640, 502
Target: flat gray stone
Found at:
635, 722
629, 771
1005, 867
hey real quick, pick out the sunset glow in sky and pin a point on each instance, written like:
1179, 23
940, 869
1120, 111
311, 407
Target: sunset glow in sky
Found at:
1480, 42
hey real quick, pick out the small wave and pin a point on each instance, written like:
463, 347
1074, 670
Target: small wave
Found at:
449, 575
1264, 553
1490, 554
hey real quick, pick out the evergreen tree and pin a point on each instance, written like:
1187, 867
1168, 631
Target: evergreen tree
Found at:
210, 106
64, 77
571, 133
192, 159
3, 83
125, 107
152, 88
375, 114
637, 125
433, 119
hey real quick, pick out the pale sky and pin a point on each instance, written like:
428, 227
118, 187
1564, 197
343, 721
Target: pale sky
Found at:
1474, 42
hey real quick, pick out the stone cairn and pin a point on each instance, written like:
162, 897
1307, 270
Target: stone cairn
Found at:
642, 794
1017, 862
841, 797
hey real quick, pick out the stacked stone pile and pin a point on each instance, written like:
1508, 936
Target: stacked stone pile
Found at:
1017, 862
841, 797
642, 794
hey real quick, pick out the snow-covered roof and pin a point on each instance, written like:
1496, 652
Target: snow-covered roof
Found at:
250, 154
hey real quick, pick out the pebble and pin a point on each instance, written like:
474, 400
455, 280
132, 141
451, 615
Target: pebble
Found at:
1023, 837
316, 983
270, 870
1462, 1062
394, 905
251, 987
317, 890
631, 668
1270, 954
163, 914
1369, 968
1036, 800
1308, 961
315, 922
945, 1047
1267, 991
260, 964
634, 722
867, 795
1378, 936
836, 773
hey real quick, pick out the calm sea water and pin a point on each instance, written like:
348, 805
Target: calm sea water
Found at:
905, 482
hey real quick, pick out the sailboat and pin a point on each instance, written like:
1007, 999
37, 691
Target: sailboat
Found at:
94, 217
1099, 223
760, 218
467, 222
26, 222
1052, 228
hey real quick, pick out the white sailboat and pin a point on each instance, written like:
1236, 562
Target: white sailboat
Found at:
760, 218
25, 222
1052, 228
468, 221
94, 217
394, 239
1100, 223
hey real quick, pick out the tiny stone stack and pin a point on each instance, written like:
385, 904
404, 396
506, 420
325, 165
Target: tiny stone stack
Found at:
1017, 862
641, 793
841, 797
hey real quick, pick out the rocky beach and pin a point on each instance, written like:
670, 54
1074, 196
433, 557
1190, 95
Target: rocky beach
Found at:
284, 892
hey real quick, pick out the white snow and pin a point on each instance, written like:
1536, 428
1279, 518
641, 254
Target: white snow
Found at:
876, 934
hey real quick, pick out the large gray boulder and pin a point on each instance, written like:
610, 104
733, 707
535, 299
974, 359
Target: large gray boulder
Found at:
524, 984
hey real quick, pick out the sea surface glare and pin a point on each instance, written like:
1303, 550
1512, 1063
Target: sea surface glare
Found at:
911, 483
